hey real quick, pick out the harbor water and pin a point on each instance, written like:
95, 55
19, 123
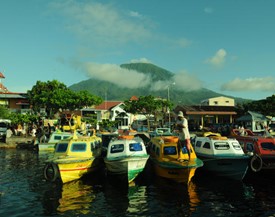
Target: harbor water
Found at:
24, 192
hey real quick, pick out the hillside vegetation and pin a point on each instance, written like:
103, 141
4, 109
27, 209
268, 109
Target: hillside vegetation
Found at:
111, 92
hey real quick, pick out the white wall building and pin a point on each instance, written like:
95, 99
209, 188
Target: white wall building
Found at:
219, 101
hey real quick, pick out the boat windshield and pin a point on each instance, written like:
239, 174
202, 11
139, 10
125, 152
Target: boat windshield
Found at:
135, 147
170, 150
62, 147
221, 145
78, 147
268, 146
117, 148
57, 137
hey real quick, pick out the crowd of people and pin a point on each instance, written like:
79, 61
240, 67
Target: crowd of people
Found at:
42, 133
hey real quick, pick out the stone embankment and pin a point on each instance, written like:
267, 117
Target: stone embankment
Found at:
18, 142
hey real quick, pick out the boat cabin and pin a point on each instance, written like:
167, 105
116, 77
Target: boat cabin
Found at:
217, 146
79, 147
125, 146
59, 135
166, 149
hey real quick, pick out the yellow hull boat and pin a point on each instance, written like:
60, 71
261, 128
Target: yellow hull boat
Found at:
74, 158
172, 163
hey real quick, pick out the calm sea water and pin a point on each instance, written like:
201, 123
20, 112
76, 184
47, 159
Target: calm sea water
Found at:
24, 192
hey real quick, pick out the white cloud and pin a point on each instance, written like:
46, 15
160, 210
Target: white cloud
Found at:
141, 60
115, 74
132, 79
102, 22
185, 81
218, 59
250, 84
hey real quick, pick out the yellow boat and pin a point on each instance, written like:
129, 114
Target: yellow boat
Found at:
170, 162
73, 158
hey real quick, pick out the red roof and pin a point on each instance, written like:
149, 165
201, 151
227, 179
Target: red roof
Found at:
107, 105
1, 75
133, 98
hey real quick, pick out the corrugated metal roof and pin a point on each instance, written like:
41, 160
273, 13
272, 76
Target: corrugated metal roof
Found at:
12, 95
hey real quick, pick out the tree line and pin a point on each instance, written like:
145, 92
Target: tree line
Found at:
55, 96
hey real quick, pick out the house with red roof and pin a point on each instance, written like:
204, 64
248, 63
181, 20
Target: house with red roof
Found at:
110, 110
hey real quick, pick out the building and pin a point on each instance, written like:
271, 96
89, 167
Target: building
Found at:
110, 110
16, 102
212, 112
253, 121
219, 101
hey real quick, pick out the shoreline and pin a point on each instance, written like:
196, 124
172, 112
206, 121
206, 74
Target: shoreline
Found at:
18, 142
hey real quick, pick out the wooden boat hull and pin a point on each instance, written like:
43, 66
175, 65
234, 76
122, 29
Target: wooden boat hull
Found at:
129, 166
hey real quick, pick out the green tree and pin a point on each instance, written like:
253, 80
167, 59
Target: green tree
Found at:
264, 106
18, 118
4, 112
54, 95
147, 105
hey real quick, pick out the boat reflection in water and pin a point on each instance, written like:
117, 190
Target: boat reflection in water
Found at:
76, 196
24, 192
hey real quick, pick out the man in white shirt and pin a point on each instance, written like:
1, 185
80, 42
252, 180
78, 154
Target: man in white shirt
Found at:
184, 135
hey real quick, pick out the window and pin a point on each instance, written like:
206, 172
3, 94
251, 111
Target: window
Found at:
206, 145
221, 146
236, 145
4, 125
78, 147
62, 147
57, 137
198, 144
268, 146
135, 147
170, 150
65, 137
249, 147
117, 148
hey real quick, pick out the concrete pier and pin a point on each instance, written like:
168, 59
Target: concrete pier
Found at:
18, 142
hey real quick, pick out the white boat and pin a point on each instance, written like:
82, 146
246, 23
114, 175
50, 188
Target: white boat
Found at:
126, 156
55, 137
222, 156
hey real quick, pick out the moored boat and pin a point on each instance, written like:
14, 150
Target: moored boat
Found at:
222, 156
55, 137
262, 147
171, 162
126, 157
73, 158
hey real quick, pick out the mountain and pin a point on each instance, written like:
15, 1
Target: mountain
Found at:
110, 91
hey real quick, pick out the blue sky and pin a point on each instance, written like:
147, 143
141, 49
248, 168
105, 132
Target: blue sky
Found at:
225, 46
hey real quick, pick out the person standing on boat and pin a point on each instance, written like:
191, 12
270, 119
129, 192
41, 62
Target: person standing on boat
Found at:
183, 131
